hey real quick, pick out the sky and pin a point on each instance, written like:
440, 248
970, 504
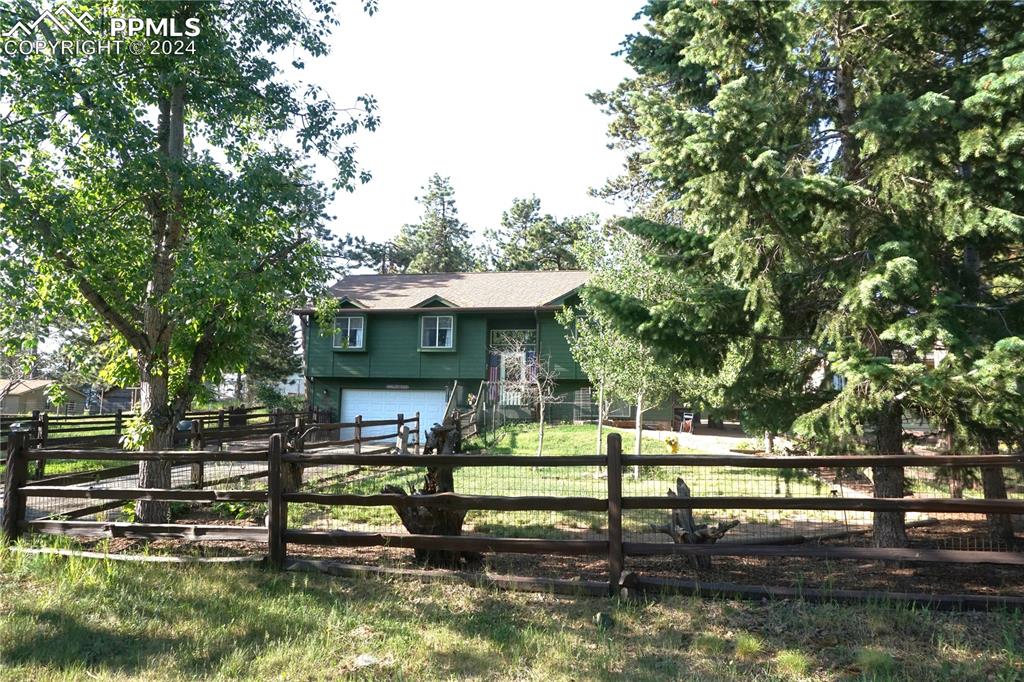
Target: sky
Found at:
491, 94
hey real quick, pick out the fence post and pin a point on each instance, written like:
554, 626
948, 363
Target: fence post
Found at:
118, 422
300, 439
358, 434
197, 444
17, 476
418, 427
36, 430
615, 558
403, 440
291, 472
44, 429
275, 504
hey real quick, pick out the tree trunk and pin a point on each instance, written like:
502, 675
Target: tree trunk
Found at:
540, 430
956, 485
154, 400
638, 428
600, 417
994, 484
166, 218
769, 442
889, 527
422, 520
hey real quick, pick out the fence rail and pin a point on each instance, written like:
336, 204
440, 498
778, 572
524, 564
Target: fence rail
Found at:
288, 452
99, 430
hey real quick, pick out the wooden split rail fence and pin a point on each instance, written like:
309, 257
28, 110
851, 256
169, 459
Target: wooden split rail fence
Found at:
282, 491
297, 434
106, 430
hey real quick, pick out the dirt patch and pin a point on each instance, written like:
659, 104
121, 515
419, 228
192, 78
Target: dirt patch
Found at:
930, 578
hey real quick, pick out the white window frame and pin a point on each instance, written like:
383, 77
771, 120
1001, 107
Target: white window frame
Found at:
348, 329
437, 327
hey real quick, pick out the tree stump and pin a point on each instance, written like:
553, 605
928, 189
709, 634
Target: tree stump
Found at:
443, 439
683, 531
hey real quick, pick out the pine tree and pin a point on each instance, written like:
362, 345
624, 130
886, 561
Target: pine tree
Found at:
849, 181
440, 241
531, 240
274, 355
384, 258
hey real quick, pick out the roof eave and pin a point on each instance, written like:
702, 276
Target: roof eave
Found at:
502, 309
559, 300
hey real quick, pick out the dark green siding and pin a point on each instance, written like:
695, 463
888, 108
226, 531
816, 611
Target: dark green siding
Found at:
391, 343
471, 341
393, 358
392, 348
554, 348
392, 351
351, 364
320, 355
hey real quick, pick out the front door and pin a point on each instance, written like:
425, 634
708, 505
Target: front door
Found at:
512, 369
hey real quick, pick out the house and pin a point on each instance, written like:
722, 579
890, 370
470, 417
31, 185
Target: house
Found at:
104, 400
410, 343
23, 396
292, 386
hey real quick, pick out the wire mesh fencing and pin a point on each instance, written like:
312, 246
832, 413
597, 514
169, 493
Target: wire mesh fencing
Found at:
726, 518
99, 478
496, 481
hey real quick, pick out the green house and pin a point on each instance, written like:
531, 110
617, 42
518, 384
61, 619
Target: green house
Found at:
415, 343
411, 343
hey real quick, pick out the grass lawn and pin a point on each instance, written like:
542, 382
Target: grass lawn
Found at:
83, 619
560, 481
560, 439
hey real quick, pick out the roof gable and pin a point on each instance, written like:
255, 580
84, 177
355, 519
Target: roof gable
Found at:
26, 386
435, 301
462, 290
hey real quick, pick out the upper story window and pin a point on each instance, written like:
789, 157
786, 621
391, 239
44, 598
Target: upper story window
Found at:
437, 331
348, 332
524, 340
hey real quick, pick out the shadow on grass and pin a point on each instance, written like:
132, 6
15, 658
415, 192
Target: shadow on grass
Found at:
62, 641
221, 622
212, 622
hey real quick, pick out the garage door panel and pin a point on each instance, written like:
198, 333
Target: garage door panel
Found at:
379, 404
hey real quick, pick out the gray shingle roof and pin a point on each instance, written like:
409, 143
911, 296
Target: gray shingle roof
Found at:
527, 290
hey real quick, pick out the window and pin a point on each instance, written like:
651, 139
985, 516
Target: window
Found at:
348, 332
437, 331
514, 339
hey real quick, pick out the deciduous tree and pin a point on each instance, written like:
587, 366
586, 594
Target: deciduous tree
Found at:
169, 198
621, 365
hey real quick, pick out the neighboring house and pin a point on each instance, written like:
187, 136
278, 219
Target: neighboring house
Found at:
108, 400
292, 386
23, 396
401, 343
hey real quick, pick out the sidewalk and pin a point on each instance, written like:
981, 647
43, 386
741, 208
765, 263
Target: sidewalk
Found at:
709, 440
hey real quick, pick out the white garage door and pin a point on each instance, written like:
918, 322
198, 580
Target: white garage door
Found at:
374, 404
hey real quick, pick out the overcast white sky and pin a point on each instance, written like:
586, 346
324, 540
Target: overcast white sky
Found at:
491, 94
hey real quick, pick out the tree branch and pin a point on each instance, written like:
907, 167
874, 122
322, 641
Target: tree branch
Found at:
121, 323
